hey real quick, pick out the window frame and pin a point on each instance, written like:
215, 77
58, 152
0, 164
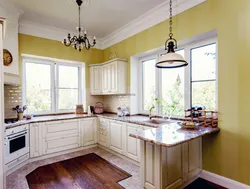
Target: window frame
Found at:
187, 74
54, 65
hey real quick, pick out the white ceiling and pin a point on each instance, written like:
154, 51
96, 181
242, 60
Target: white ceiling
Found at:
100, 17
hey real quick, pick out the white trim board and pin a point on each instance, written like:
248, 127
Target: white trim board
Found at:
145, 21
222, 181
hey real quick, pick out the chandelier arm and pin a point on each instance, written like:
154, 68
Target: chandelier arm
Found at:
87, 45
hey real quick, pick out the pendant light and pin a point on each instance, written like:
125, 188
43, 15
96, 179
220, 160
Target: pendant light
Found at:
171, 59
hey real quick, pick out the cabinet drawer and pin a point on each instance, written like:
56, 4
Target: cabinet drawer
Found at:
16, 162
61, 128
64, 143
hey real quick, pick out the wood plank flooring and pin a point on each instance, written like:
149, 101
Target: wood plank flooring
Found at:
86, 172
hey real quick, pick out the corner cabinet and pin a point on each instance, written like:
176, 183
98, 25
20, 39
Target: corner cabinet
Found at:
88, 131
109, 77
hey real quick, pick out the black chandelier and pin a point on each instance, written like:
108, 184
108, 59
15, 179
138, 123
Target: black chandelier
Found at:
80, 41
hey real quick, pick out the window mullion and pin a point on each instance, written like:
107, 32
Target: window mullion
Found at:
55, 88
158, 87
188, 87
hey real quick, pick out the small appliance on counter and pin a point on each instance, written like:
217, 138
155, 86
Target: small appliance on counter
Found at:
90, 110
99, 108
123, 111
79, 109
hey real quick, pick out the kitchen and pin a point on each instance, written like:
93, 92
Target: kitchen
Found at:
151, 147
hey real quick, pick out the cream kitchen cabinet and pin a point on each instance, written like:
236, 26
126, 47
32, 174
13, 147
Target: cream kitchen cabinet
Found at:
61, 135
116, 136
103, 131
88, 131
96, 80
132, 144
36, 142
110, 77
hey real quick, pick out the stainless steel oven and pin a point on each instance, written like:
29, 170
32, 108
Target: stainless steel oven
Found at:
16, 143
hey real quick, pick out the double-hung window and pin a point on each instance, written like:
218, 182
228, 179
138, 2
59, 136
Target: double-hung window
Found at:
51, 86
178, 89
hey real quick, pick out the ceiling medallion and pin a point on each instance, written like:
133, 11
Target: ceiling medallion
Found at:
171, 59
80, 41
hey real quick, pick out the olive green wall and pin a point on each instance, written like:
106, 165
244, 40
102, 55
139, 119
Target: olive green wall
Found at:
227, 153
55, 49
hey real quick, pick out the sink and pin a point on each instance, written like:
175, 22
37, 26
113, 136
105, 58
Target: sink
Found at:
158, 121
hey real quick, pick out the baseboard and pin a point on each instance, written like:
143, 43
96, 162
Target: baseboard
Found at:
223, 181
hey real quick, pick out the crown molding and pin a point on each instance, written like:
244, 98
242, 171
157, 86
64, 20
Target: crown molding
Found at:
48, 32
147, 20
10, 11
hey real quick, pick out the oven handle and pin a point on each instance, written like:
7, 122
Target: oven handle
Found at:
17, 136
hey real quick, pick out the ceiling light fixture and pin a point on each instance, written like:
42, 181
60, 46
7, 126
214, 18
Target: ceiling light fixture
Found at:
171, 59
80, 41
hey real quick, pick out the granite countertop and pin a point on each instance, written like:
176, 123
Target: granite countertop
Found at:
172, 134
135, 119
166, 134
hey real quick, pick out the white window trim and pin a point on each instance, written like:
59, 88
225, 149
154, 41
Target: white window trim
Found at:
53, 62
187, 73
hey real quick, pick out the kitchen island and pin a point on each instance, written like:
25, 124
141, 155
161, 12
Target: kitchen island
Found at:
170, 156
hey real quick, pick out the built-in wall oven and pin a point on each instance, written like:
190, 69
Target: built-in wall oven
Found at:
16, 145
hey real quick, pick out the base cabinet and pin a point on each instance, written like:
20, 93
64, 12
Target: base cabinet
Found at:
103, 130
169, 168
60, 135
88, 131
116, 136
132, 144
36, 148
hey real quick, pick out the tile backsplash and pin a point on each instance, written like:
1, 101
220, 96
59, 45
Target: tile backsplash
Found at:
12, 98
112, 102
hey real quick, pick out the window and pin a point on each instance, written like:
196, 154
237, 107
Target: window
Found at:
148, 82
172, 82
203, 64
51, 86
178, 89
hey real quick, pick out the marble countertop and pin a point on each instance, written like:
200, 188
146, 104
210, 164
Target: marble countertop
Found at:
172, 134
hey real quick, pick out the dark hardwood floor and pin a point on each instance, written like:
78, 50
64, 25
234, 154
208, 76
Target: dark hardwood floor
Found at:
85, 172
203, 184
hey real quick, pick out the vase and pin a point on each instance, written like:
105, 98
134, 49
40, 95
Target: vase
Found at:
20, 116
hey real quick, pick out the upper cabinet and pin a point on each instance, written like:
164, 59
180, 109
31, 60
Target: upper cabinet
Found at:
10, 42
109, 77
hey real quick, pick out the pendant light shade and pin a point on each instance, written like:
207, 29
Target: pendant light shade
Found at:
171, 59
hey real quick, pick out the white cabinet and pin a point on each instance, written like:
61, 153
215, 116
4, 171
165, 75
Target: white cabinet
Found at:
88, 131
105, 79
116, 136
96, 80
132, 144
61, 135
103, 130
36, 148
112, 76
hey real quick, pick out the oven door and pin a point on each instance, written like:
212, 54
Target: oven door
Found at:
16, 146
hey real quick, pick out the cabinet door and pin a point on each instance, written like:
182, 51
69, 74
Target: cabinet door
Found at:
35, 140
132, 144
106, 79
115, 137
96, 80
88, 132
113, 77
